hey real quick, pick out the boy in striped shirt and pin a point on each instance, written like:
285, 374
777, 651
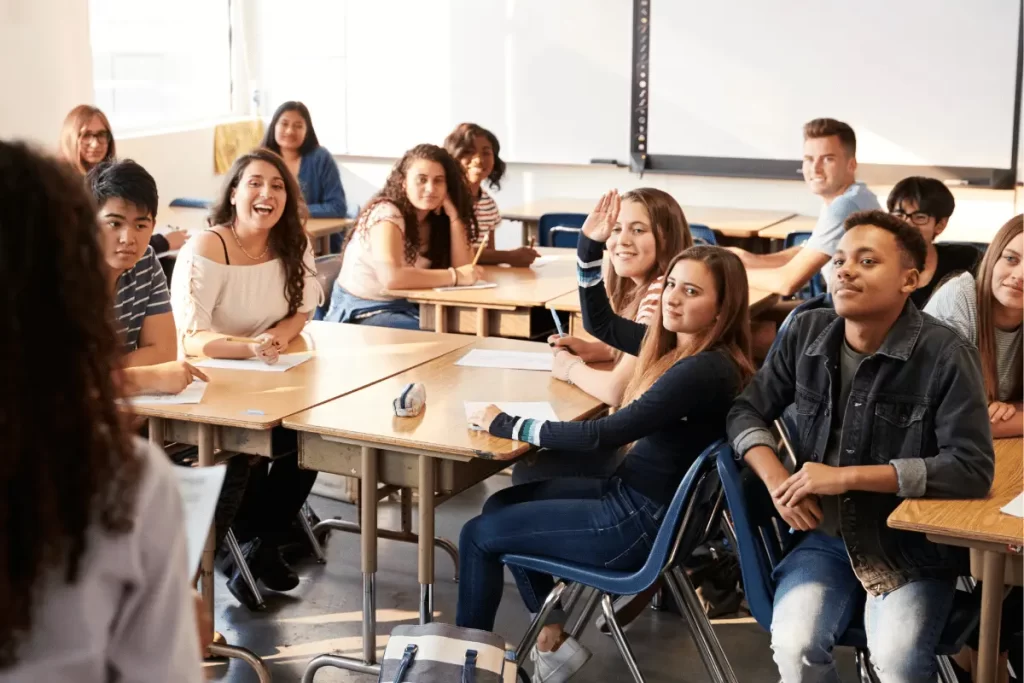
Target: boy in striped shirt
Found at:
126, 197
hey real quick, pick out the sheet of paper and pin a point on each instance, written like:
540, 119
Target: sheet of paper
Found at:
542, 261
482, 284
1015, 507
287, 361
193, 394
534, 410
199, 488
509, 360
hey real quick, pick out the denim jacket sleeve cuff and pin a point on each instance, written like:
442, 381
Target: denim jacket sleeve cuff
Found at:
912, 476
753, 436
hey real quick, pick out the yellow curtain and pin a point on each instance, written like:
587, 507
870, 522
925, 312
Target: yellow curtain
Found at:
231, 140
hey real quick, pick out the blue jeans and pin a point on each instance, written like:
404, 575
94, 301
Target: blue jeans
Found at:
816, 597
349, 308
596, 522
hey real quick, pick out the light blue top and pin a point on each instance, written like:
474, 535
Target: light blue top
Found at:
829, 228
320, 181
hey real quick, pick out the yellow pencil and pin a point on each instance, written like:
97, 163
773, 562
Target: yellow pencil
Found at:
479, 251
242, 340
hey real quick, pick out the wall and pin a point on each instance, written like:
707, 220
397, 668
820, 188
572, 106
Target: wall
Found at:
46, 66
182, 163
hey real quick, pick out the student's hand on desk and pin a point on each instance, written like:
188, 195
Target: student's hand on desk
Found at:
267, 350
563, 363
468, 274
174, 376
176, 239
588, 352
522, 257
1000, 412
812, 479
484, 418
601, 220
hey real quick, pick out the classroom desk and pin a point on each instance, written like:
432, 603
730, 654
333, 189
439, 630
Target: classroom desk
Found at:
502, 311
435, 453
240, 409
570, 303
737, 223
994, 539
194, 220
782, 229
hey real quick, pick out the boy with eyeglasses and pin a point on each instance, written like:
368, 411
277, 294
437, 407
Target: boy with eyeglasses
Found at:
927, 204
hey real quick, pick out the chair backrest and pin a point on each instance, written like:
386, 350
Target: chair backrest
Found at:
191, 203
757, 527
567, 236
823, 300
702, 234
816, 285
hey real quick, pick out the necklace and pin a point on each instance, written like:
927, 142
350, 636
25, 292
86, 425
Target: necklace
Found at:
248, 255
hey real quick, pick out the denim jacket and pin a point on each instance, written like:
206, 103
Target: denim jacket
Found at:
918, 403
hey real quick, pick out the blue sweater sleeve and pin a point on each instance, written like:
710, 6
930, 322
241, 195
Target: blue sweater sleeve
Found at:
322, 188
675, 394
598, 317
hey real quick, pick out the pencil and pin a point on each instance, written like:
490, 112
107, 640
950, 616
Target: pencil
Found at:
533, 242
479, 251
242, 340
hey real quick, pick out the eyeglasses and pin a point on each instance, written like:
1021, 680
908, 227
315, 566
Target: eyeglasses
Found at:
100, 136
916, 217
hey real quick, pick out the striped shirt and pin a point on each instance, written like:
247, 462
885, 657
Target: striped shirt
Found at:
487, 216
141, 291
649, 304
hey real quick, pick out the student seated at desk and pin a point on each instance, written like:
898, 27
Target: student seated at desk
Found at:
644, 230
699, 337
413, 234
95, 585
477, 149
927, 204
127, 199
988, 311
252, 276
291, 135
890, 405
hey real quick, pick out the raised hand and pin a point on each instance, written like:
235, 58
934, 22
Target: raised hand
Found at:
601, 220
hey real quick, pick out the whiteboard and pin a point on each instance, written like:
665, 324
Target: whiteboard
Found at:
922, 82
551, 78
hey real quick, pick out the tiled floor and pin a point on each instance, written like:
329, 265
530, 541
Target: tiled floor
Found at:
324, 614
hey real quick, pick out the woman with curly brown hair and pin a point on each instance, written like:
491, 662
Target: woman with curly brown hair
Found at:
413, 234
251, 275
93, 578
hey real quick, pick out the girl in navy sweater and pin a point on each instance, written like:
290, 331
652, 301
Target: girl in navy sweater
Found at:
693, 362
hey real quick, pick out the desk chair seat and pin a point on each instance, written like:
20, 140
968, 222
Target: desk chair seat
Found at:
191, 203
688, 521
560, 229
762, 539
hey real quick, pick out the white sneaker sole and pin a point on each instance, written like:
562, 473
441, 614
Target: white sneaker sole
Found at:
568, 669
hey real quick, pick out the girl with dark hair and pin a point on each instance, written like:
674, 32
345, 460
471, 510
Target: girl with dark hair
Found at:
291, 135
94, 578
699, 337
251, 275
477, 149
416, 233
86, 138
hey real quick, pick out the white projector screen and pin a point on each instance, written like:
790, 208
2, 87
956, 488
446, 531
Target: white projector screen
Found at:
923, 82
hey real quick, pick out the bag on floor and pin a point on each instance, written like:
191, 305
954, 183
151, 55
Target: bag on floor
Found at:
442, 653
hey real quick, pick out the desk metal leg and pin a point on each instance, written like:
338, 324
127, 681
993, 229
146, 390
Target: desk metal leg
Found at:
247, 656
426, 542
993, 575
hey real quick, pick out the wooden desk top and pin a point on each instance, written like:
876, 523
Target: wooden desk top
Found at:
442, 427
571, 302
516, 286
729, 222
973, 520
194, 220
781, 231
347, 357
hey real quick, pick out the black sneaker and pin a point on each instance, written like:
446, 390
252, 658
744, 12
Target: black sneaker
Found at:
269, 567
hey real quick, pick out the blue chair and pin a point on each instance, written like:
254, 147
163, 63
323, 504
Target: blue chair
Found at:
816, 285
692, 515
762, 539
702, 234
191, 203
560, 229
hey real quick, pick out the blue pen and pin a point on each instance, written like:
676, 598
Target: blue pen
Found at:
558, 323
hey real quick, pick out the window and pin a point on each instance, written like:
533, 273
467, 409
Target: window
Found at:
161, 64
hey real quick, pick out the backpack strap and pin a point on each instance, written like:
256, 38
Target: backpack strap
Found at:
407, 657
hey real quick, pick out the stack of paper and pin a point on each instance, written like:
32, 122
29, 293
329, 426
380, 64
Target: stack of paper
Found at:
1015, 507
508, 360
199, 488
458, 288
286, 361
193, 393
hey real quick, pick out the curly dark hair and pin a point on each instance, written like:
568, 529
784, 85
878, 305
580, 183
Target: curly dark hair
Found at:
439, 251
461, 142
68, 462
288, 239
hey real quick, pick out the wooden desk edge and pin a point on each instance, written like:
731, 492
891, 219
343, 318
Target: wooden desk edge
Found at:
965, 540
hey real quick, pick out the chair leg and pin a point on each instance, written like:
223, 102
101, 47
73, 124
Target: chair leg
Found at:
710, 649
588, 611
530, 637
946, 673
318, 550
620, 638
572, 597
243, 568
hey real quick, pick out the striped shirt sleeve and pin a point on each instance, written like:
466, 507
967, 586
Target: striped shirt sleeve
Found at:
488, 218
649, 302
